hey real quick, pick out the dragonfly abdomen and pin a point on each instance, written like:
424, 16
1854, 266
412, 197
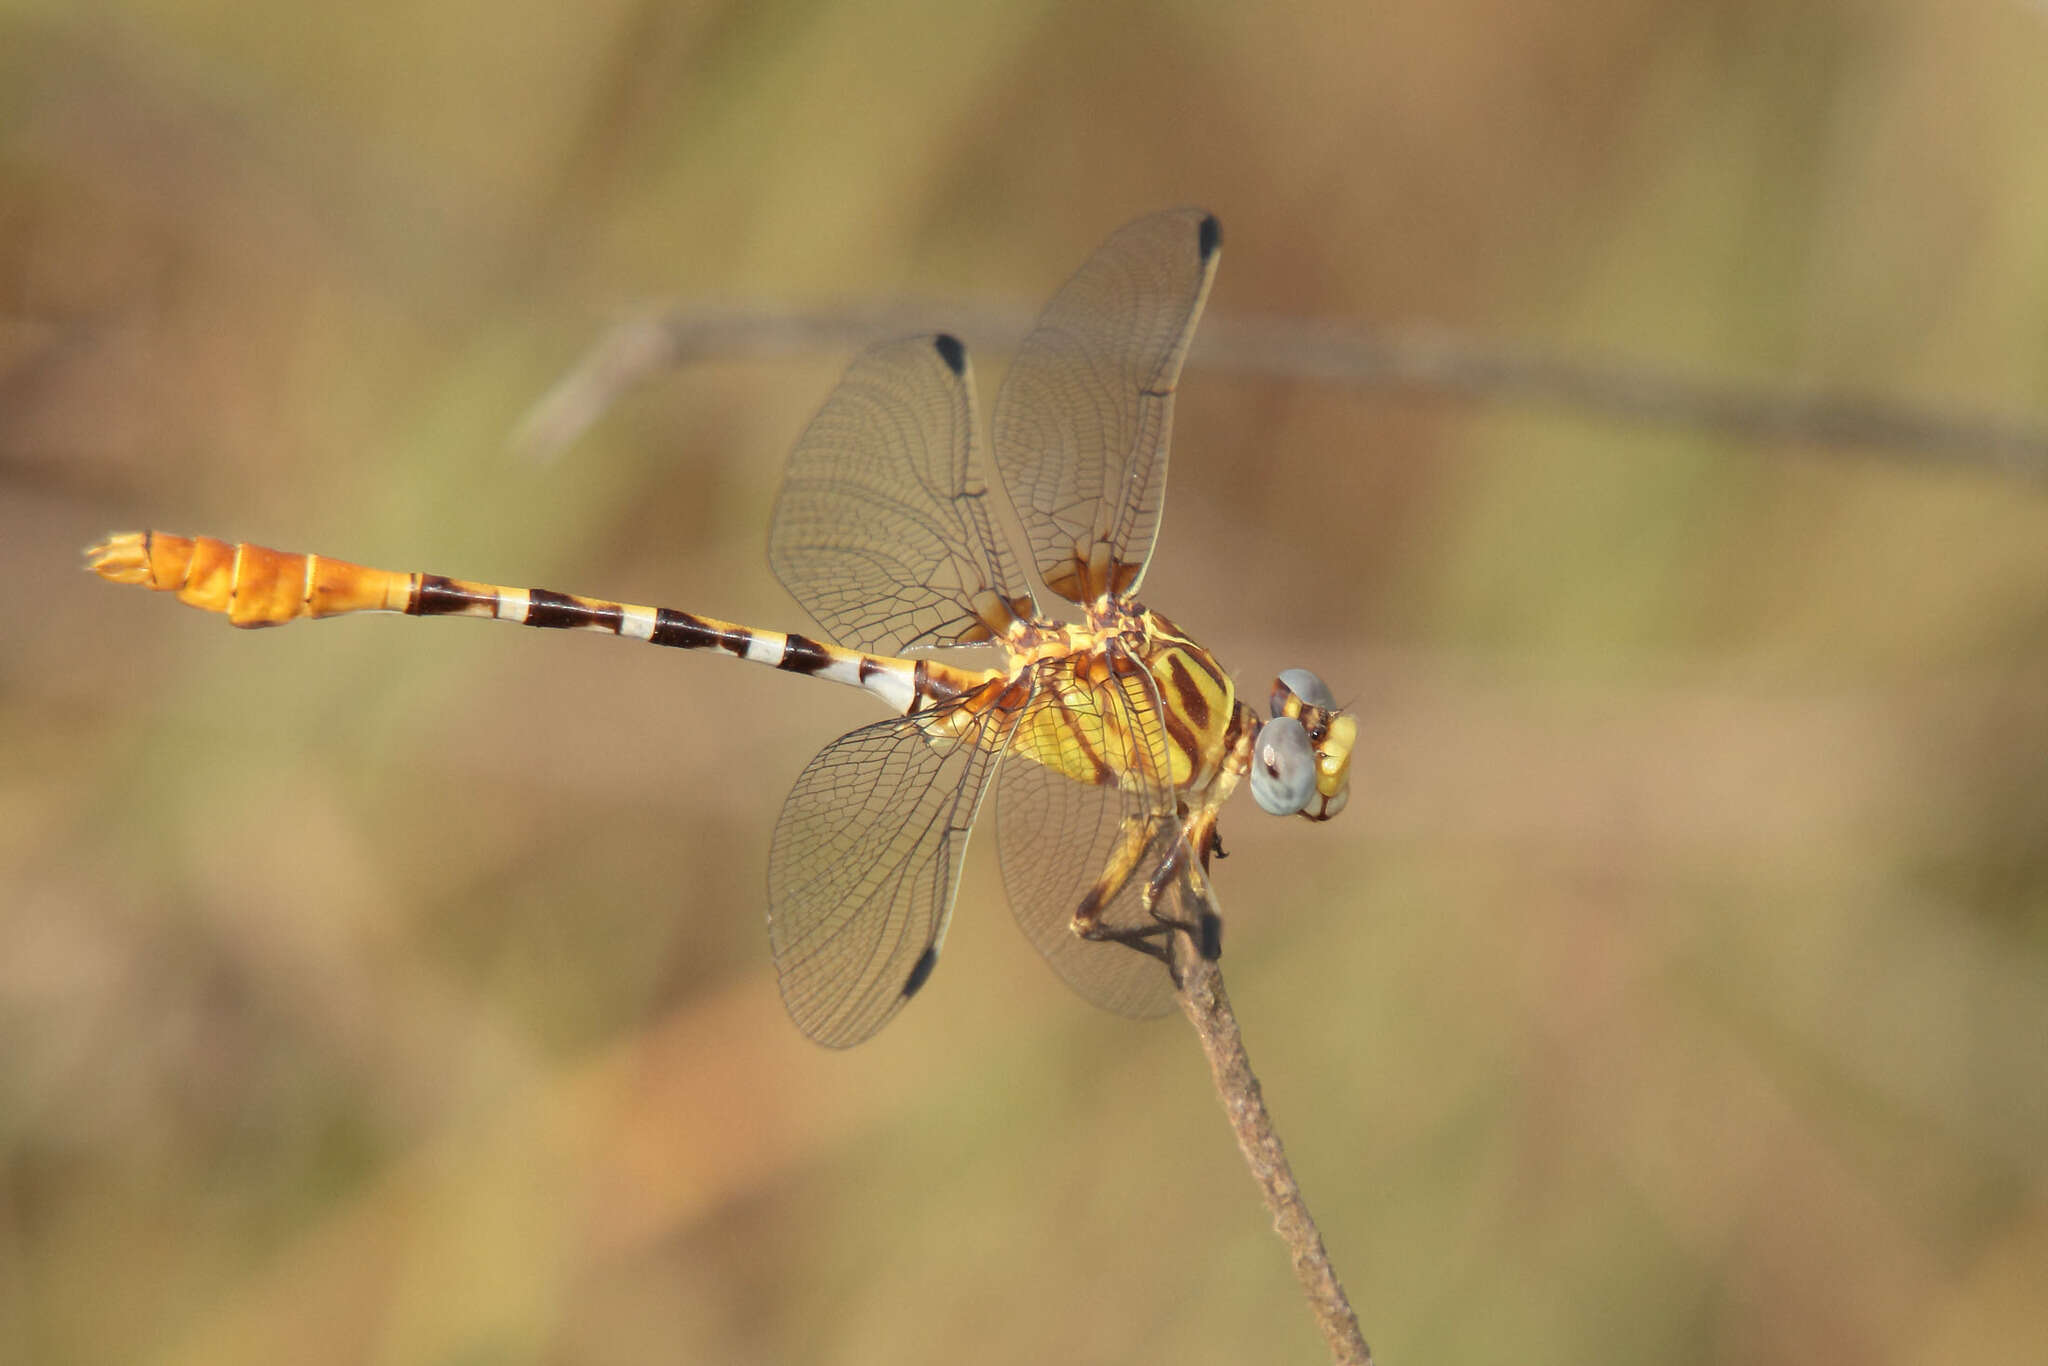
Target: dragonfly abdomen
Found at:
253, 585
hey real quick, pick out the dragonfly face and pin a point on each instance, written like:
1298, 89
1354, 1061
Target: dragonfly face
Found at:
1109, 748
1302, 762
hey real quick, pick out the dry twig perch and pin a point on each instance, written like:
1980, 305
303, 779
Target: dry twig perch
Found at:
1207, 1006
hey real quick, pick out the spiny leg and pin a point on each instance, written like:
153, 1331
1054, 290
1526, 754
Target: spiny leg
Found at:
1199, 834
1134, 837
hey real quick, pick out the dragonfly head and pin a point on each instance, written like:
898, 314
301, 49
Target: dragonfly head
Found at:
1301, 760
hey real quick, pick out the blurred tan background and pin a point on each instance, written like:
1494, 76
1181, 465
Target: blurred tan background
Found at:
1674, 989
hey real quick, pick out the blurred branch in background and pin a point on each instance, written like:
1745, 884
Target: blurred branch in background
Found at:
1346, 354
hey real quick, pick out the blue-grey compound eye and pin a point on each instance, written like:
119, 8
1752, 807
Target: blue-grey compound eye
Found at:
1283, 767
1309, 688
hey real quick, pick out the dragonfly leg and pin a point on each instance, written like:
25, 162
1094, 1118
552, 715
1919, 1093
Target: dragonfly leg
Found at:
1133, 839
1200, 835
1146, 939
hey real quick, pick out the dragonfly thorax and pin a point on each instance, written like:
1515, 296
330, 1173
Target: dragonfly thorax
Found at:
1166, 672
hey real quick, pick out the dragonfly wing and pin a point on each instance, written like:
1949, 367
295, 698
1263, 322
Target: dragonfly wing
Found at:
1084, 805
881, 530
1084, 417
866, 858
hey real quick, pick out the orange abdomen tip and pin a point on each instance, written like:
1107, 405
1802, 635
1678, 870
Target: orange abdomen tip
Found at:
252, 585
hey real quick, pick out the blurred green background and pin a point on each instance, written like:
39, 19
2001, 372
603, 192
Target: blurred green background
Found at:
1675, 987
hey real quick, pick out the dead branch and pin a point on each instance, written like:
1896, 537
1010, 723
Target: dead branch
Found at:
1356, 355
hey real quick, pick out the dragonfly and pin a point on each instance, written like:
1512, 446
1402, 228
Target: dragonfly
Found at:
1111, 742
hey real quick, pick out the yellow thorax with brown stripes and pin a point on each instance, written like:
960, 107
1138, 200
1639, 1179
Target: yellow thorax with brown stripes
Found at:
1067, 732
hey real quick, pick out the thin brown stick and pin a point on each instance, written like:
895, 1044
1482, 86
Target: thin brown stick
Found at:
1207, 1006
1349, 354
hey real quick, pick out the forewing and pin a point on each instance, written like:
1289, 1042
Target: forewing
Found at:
865, 861
1058, 833
1085, 415
881, 530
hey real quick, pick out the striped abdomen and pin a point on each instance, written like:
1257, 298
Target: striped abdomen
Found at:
253, 585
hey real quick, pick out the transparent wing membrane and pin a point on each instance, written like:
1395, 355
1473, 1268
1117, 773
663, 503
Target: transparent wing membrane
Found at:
1083, 419
866, 857
1064, 838
880, 530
